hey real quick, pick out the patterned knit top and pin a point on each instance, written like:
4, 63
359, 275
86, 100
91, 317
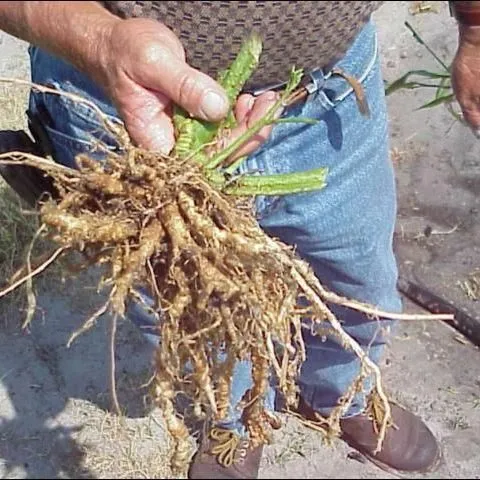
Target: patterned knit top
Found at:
304, 34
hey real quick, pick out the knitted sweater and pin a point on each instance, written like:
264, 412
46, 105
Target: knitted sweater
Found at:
304, 34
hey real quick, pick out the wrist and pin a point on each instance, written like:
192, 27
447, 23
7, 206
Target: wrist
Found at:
466, 13
77, 32
469, 35
96, 54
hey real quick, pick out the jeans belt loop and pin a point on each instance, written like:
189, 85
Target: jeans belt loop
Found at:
312, 82
317, 82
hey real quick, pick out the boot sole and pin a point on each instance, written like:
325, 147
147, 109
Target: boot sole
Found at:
404, 473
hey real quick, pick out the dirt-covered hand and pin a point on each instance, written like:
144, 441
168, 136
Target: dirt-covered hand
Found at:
466, 75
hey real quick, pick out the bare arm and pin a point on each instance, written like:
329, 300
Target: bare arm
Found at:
140, 63
74, 31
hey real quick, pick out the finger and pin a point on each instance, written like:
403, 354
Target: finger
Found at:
160, 70
463, 78
243, 107
158, 135
261, 106
148, 122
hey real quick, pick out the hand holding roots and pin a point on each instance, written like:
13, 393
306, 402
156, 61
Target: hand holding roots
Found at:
223, 290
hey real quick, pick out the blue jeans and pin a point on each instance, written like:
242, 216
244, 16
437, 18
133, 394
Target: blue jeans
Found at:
344, 231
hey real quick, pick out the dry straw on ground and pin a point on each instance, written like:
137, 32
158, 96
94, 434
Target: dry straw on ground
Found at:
223, 290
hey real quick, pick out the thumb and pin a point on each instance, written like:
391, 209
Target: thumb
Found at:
199, 94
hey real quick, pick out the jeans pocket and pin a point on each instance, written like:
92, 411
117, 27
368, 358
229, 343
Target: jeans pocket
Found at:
71, 127
264, 205
65, 148
337, 88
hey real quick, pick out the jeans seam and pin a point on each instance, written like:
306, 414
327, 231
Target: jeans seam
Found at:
68, 140
365, 74
83, 111
362, 78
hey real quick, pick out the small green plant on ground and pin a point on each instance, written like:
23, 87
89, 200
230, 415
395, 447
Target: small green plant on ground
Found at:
438, 81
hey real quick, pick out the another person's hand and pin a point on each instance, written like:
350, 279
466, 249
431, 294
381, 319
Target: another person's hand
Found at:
143, 68
466, 75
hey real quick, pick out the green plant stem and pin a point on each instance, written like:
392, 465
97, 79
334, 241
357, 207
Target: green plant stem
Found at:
233, 167
308, 121
281, 184
443, 88
268, 119
293, 82
438, 101
422, 42
220, 157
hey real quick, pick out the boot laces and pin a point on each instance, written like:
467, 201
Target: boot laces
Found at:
229, 448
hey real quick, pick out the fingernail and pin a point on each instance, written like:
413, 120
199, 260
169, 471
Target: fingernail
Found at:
214, 106
161, 148
278, 113
271, 95
165, 149
161, 143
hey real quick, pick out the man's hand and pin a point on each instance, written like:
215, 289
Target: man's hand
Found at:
143, 68
466, 75
139, 62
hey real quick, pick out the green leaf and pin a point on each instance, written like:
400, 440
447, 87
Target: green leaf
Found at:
438, 101
308, 121
444, 88
402, 83
429, 74
294, 80
235, 77
192, 134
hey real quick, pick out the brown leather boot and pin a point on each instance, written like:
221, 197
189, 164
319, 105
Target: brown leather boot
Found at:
223, 454
409, 445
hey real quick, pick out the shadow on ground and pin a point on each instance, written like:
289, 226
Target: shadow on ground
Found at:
40, 380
